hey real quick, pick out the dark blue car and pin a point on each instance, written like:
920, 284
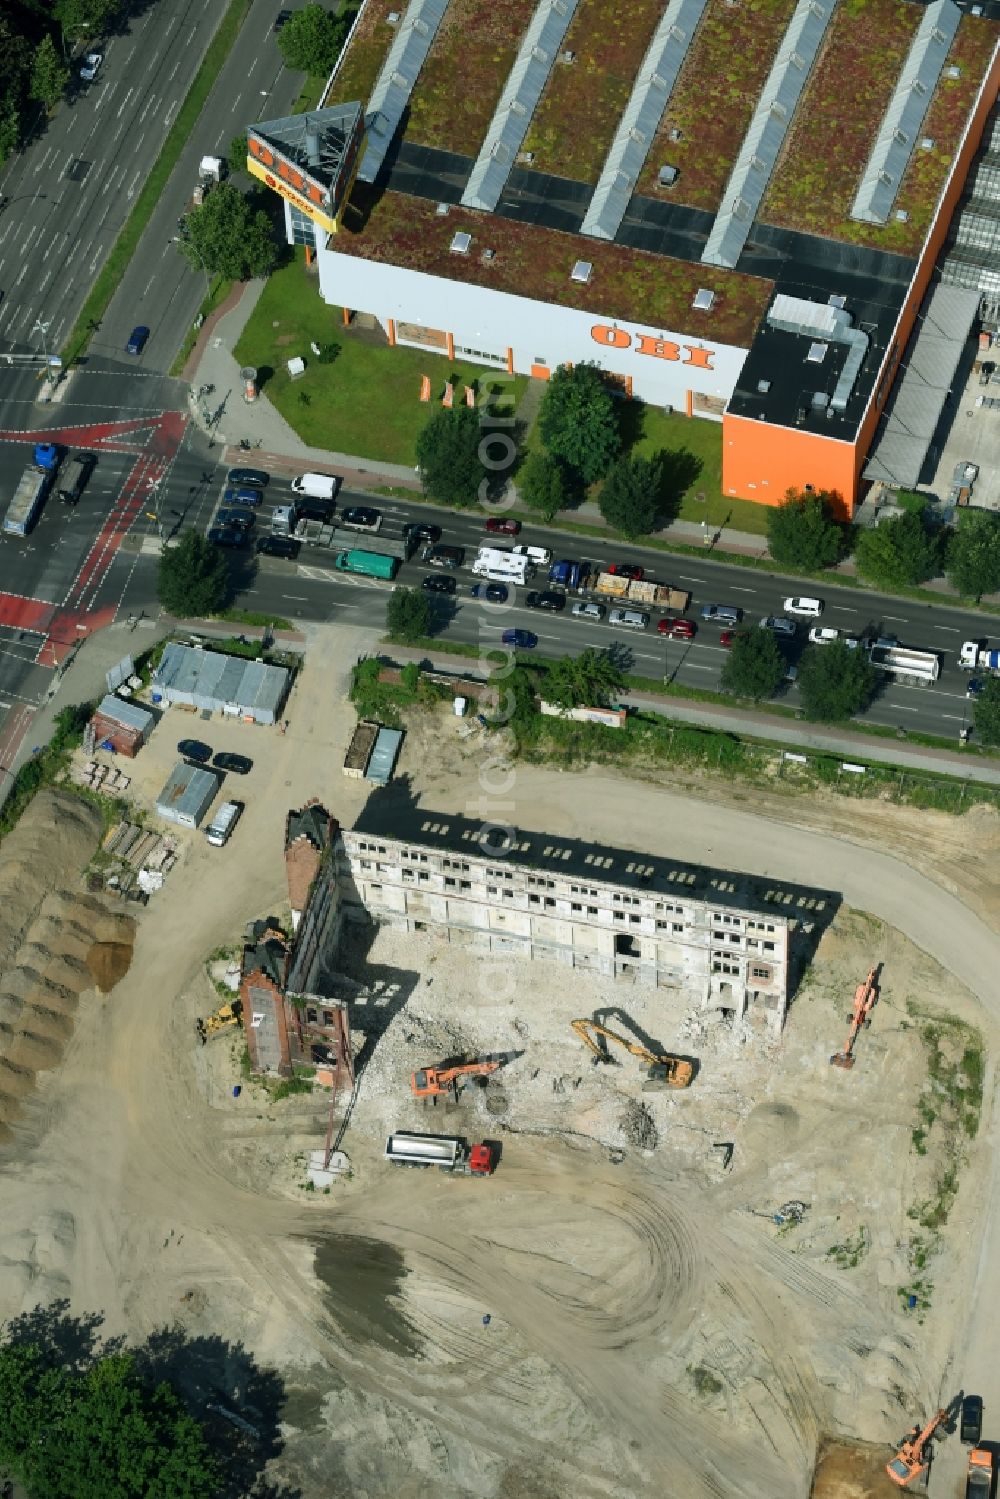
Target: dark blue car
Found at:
521, 640
242, 496
137, 340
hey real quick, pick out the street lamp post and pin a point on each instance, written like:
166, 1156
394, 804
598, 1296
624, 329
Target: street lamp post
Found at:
42, 330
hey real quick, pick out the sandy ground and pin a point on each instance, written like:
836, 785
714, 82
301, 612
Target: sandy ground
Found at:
649, 1331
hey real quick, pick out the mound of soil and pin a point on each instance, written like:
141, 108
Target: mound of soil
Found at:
109, 962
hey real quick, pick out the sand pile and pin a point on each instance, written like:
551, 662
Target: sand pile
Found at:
55, 941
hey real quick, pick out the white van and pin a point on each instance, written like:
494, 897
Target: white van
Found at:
628, 619
808, 608
222, 824
588, 611
317, 486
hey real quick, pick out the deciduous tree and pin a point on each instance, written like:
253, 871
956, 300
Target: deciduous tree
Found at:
986, 712
594, 679
98, 1432
228, 237
193, 580
899, 552
408, 614
802, 532
835, 682
754, 667
236, 156
49, 74
630, 496
543, 484
448, 452
578, 422
311, 39
974, 554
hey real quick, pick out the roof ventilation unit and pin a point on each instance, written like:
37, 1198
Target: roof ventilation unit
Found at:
567, 57
581, 271
763, 386
461, 242
392, 19
703, 299
443, 210
817, 353
667, 176
489, 255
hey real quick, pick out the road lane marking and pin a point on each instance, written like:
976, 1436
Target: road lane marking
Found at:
950, 629
301, 598
896, 619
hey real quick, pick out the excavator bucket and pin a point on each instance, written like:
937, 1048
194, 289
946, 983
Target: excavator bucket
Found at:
842, 1059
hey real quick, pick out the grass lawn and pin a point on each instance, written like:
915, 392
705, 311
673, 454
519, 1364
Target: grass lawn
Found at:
647, 429
367, 403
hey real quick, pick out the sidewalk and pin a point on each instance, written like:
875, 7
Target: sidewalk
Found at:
754, 723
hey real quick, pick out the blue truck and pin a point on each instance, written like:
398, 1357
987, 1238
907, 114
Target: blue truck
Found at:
32, 487
567, 574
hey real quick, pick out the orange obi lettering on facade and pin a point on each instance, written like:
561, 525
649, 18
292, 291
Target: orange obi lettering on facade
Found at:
657, 348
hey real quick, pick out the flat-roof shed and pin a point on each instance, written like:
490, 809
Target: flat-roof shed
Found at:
222, 684
383, 757
124, 726
188, 794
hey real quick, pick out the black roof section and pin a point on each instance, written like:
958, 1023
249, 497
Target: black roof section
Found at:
312, 822
395, 817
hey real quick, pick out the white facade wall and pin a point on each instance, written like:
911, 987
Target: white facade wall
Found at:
489, 322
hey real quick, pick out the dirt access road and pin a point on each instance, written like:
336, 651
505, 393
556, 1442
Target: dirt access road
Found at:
132, 1192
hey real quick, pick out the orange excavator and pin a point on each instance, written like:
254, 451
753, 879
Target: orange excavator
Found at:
664, 1071
437, 1082
865, 999
914, 1453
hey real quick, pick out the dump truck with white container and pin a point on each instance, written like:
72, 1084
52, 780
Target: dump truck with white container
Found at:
906, 665
447, 1152
32, 487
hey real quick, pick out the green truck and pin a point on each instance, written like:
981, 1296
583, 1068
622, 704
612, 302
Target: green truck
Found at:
369, 564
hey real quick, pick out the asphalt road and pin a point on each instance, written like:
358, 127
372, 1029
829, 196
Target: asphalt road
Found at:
160, 289
309, 589
72, 188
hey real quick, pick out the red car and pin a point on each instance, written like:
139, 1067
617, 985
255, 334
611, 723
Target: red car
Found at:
503, 527
625, 570
677, 629
727, 637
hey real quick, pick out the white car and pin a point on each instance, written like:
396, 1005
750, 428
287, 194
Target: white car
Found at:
809, 608
91, 66
823, 635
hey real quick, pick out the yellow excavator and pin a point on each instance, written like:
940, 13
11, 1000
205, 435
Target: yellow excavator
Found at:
220, 1020
665, 1071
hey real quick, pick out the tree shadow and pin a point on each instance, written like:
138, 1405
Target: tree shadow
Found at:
680, 469
64, 1339
631, 423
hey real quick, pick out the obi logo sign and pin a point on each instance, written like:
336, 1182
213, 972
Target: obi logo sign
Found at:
658, 348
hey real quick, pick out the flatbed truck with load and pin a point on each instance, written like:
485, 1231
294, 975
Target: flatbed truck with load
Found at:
447, 1152
32, 487
366, 564
908, 665
632, 590
316, 533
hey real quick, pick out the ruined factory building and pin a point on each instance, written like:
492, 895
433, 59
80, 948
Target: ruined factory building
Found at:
188, 794
735, 941
222, 684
